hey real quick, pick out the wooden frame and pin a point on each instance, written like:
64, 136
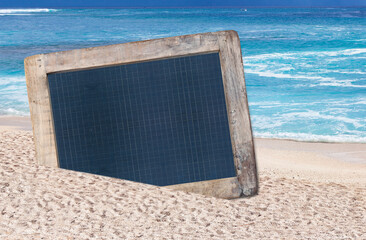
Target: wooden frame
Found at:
227, 43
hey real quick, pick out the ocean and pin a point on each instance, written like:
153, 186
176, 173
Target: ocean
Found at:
304, 67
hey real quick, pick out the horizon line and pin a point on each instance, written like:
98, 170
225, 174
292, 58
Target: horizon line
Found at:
151, 7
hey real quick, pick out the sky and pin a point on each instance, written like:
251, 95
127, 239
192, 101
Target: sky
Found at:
179, 3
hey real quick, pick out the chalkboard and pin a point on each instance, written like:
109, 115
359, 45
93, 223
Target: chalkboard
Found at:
160, 122
170, 112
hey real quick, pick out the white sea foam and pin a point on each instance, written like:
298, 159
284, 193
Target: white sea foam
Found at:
286, 75
349, 102
286, 68
309, 114
338, 83
5, 80
13, 112
265, 123
26, 10
271, 55
334, 84
268, 104
343, 71
307, 65
15, 97
265, 103
345, 52
295, 55
357, 58
353, 51
312, 137
352, 72
357, 40
15, 14
274, 127
360, 102
13, 89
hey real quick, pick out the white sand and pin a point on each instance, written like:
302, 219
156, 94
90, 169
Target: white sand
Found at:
307, 191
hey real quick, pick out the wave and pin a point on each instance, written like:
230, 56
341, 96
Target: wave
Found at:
279, 123
16, 14
313, 66
312, 137
357, 40
295, 55
332, 125
26, 10
309, 114
13, 92
320, 81
260, 103
12, 112
343, 71
285, 75
349, 102
353, 51
6, 80
338, 84
333, 102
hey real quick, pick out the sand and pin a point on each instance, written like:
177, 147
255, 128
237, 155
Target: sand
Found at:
307, 191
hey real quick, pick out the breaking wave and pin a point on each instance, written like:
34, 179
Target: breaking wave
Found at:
25, 11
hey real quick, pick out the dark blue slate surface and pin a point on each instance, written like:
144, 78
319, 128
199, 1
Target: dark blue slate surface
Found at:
161, 122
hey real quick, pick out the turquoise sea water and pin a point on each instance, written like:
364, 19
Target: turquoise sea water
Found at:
304, 68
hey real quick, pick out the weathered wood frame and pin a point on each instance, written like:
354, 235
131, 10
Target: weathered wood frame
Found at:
227, 43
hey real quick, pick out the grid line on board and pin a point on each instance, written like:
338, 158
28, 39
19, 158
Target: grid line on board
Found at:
159, 122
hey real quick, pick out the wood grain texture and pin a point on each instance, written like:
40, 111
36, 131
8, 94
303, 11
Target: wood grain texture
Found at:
227, 188
40, 108
227, 43
238, 112
131, 52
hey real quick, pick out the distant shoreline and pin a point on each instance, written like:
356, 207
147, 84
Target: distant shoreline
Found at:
198, 7
345, 152
24, 123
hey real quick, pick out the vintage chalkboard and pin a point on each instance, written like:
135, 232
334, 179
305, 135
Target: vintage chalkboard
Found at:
168, 112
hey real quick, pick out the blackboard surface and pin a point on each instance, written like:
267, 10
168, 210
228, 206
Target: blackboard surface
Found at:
160, 122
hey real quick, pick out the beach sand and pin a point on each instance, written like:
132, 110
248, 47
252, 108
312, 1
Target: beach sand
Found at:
307, 191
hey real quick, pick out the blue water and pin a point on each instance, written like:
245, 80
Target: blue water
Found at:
304, 68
